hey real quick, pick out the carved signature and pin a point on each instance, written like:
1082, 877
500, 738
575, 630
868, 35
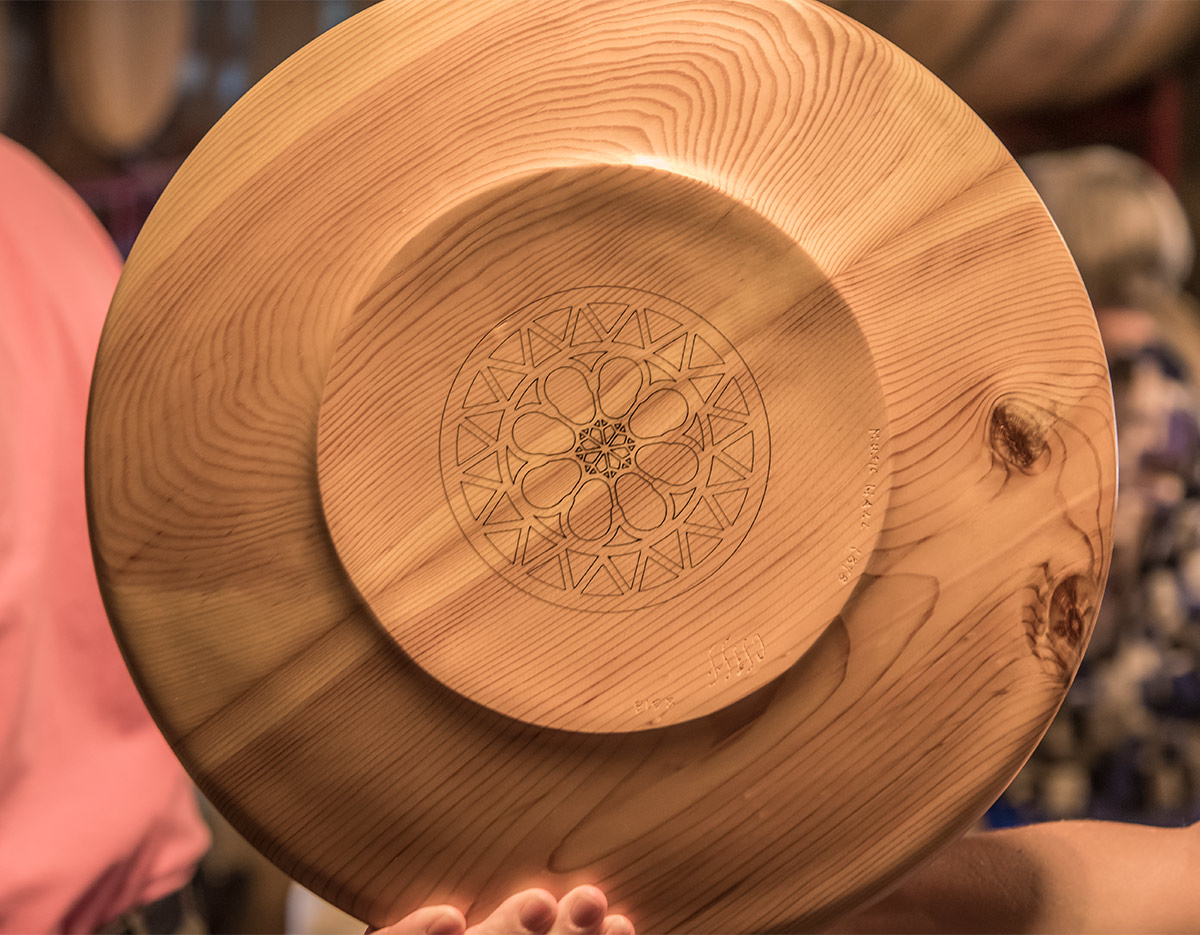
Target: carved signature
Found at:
731, 658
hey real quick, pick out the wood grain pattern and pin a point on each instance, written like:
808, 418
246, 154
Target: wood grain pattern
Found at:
361, 689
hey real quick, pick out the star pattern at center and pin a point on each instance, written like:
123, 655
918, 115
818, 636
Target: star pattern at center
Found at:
605, 448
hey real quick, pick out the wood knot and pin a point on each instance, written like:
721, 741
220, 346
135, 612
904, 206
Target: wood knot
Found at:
1018, 436
1057, 634
1071, 607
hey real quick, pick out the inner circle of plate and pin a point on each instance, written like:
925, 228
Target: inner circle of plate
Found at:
685, 581
382, 789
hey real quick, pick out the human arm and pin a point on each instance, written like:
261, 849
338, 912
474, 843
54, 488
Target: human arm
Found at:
1069, 876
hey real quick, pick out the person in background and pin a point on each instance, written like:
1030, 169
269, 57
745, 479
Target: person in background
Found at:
1052, 878
1126, 744
99, 827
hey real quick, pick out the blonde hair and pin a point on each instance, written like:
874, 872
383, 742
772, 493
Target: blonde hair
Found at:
1121, 221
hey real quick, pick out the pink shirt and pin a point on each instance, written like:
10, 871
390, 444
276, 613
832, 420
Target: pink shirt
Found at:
96, 815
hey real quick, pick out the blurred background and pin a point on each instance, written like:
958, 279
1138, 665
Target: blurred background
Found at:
1100, 102
114, 94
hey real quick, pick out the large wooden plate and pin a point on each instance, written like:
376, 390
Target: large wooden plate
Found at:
665, 445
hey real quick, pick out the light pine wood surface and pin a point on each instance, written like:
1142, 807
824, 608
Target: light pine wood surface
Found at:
663, 445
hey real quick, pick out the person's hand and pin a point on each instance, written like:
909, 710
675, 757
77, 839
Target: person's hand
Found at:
583, 911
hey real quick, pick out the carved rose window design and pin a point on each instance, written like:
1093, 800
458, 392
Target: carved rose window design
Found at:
604, 449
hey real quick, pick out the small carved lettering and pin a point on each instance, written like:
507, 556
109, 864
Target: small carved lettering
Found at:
659, 705
874, 443
868, 503
853, 557
729, 658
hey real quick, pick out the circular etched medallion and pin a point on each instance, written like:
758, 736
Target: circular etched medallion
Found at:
604, 448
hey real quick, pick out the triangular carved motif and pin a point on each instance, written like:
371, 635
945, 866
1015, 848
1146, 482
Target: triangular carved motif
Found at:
703, 515
603, 584
488, 423
621, 537
670, 548
730, 502
722, 428
556, 322
550, 573
477, 497
741, 452
578, 565
732, 399
659, 325
486, 469
505, 511
530, 397
541, 350
656, 575
508, 380
703, 354
721, 473
625, 566
553, 524
480, 393
673, 353
700, 547
536, 545
468, 445
510, 350
658, 375
706, 384
506, 542
630, 334
514, 463
679, 502
608, 313
585, 332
